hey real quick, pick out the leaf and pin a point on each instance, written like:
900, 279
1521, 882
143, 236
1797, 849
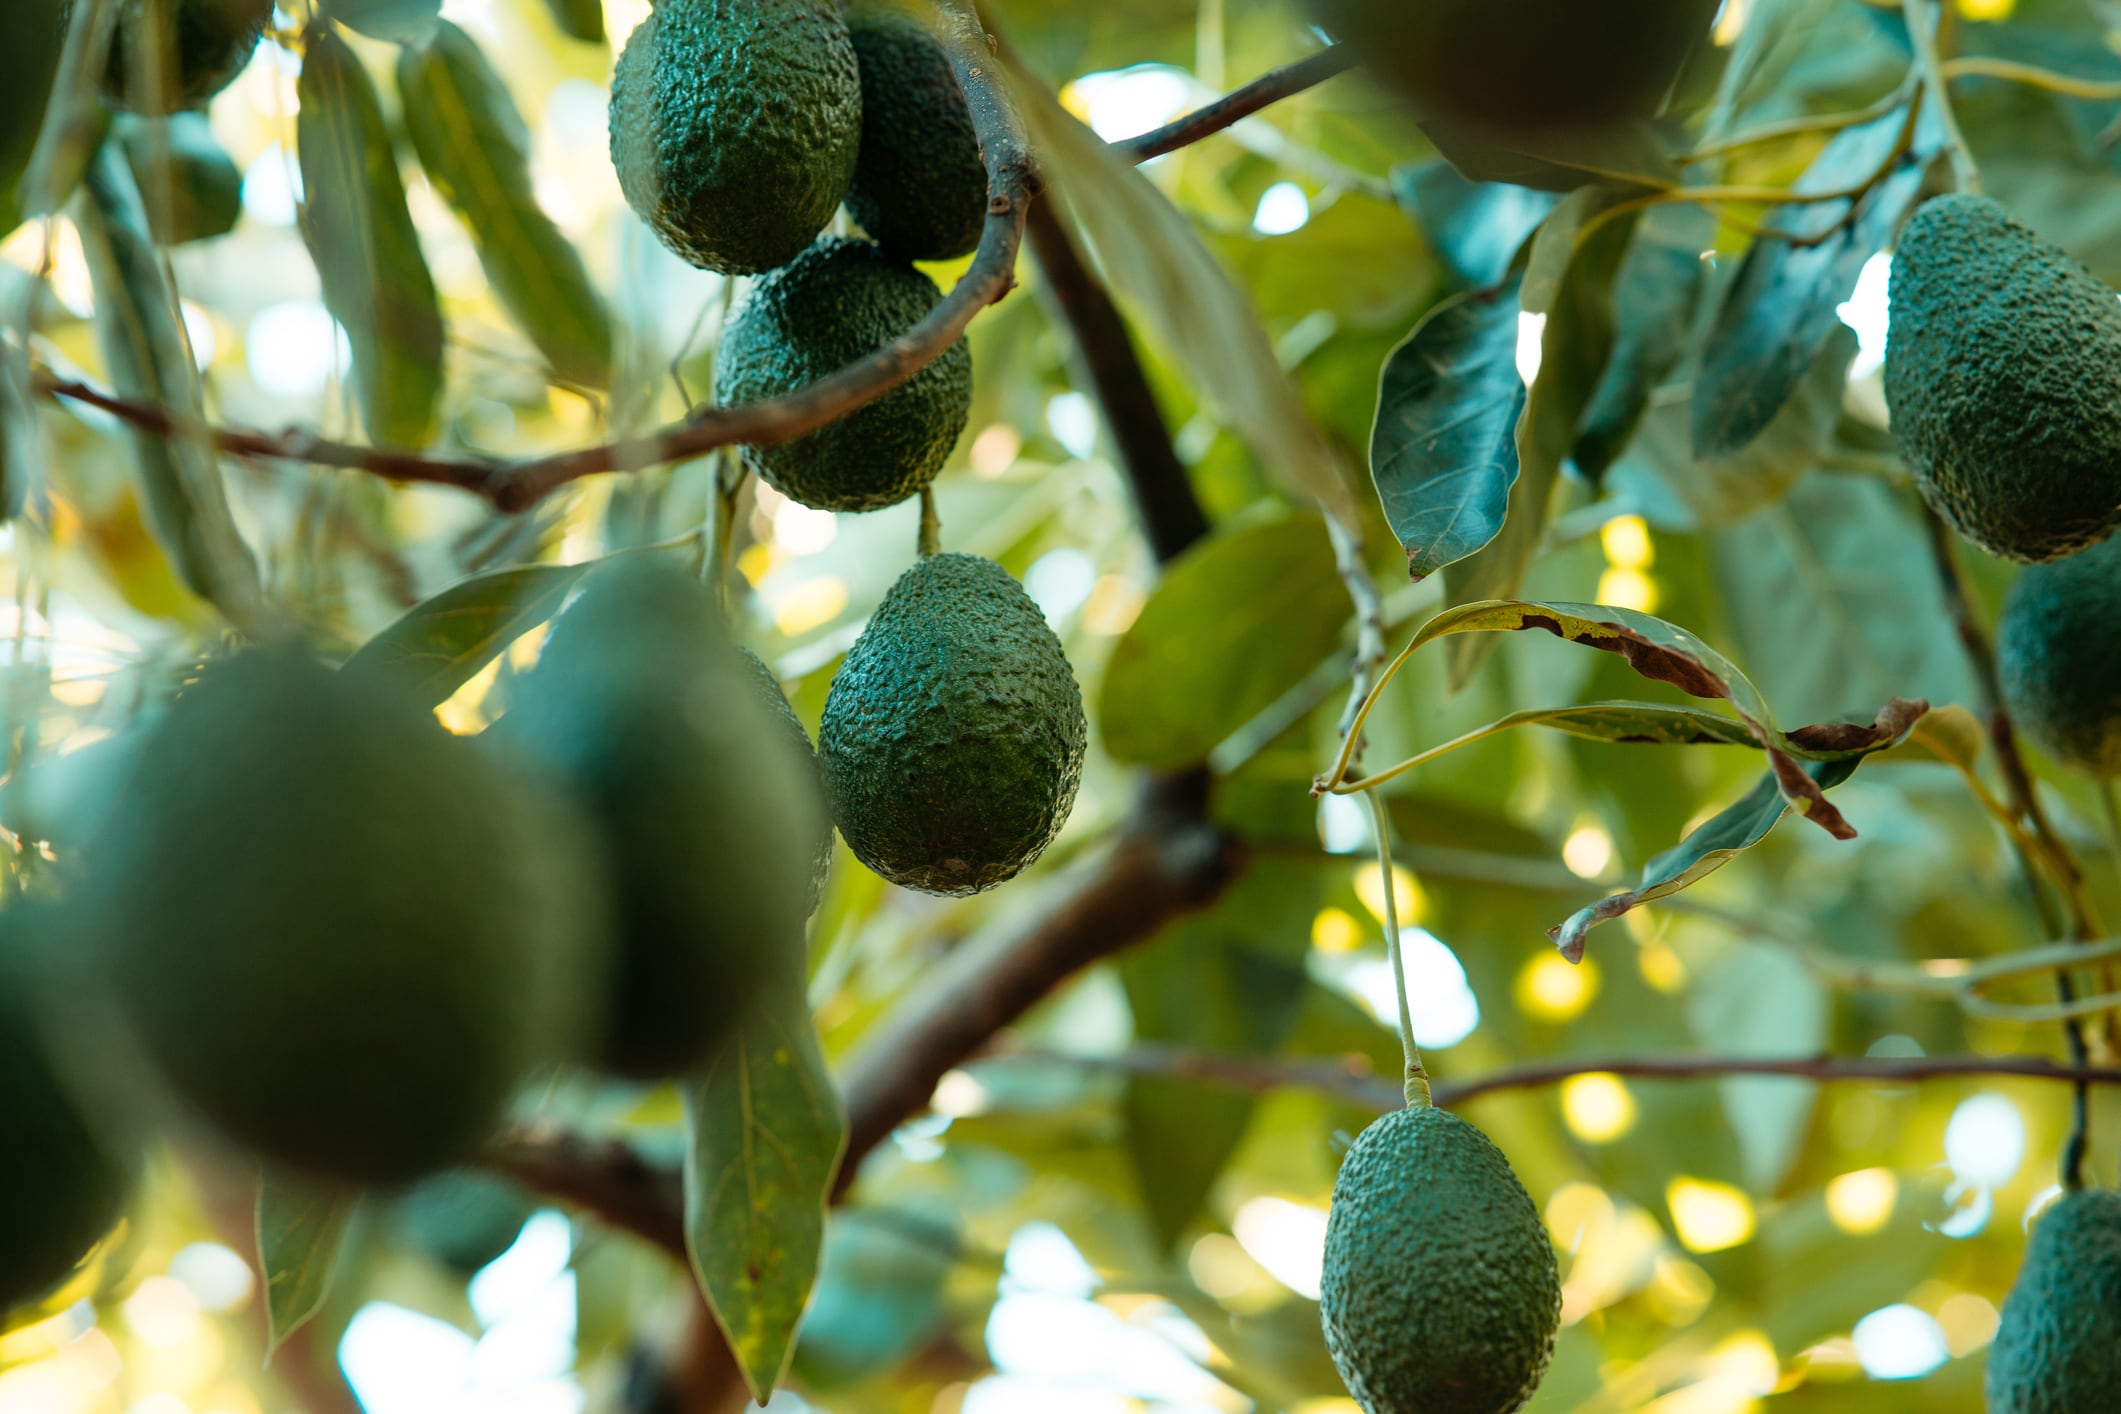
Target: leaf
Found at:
31, 39
299, 1228
1570, 279
1950, 735
1230, 981
1238, 620
1444, 453
398, 21
579, 19
766, 1134
1627, 154
361, 236
146, 356
1653, 298
472, 142
75, 118
1762, 1001
1477, 227
1148, 252
1835, 587
1781, 310
1702, 852
444, 643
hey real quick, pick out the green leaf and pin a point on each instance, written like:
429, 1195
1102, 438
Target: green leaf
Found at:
1229, 981
1781, 310
475, 148
75, 119
299, 1228
398, 21
193, 189
361, 236
579, 19
147, 357
444, 643
1762, 1001
31, 37
1150, 254
1444, 454
766, 1135
1628, 154
1570, 280
1237, 621
1653, 299
1477, 227
1702, 852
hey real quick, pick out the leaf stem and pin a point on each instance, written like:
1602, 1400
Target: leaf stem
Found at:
2066, 84
1416, 1079
1923, 36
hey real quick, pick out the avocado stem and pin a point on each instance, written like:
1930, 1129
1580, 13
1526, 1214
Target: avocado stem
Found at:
1923, 36
931, 524
1417, 1079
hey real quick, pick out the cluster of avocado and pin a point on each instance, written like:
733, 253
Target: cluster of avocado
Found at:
1440, 1293
312, 922
737, 132
174, 55
1522, 65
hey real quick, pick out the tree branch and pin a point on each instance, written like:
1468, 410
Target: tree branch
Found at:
1226, 112
604, 1177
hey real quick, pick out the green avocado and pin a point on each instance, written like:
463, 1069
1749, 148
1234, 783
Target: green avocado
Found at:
641, 707
735, 125
2055, 658
2058, 1347
1522, 64
31, 32
61, 1189
920, 189
1440, 1293
462, 1218
840, 301
200, 46
2004, 380
768, 686
341, 936
953, 735
204, 195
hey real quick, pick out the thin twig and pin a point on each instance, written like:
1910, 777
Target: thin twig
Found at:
1268, 89
1923, 36
2068, 85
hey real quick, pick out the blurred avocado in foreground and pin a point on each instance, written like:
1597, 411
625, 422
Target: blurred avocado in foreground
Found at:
31, 32
2003, 376
462, 1218
1522, 64
643, 710
341, 936
203, 196
790, 726
61, 1187
2058, 1347
1441, 1294
196, 51
2055, 658
954, 735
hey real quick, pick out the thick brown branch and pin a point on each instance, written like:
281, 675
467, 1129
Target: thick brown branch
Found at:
1268, 89
604, 1177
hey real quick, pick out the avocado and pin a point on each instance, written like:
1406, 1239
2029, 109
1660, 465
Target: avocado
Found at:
920, 189
579, 19
840, 301
61, 1187
767, 684
204, 194
953, 735
31, 32
462, 1218
640, 707
2058, 1346
2055, 659
1522, 64
201, 45
735, 125
1440, 1293
342, 936
2003, 375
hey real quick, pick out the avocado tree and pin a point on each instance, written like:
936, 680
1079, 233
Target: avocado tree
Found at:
896, 705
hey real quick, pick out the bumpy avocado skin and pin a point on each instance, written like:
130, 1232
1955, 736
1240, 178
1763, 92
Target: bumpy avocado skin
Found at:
61, 1189
953, 735
342, 936
2004, 381
644, 711
735, 125
2055, 657
2058, 1347
920, 189
207, 44
767, 684
841, 301
1522, 64
1441, 1294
